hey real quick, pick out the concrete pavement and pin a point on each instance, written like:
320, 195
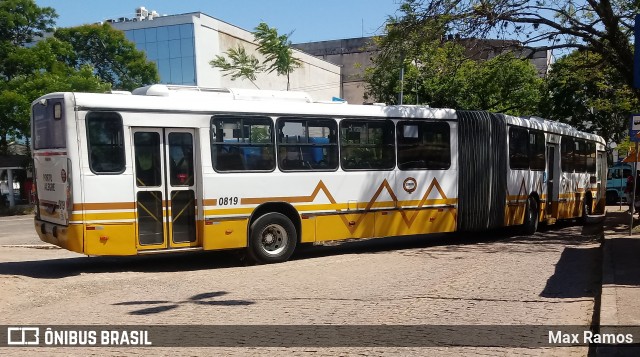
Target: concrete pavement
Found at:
620, 294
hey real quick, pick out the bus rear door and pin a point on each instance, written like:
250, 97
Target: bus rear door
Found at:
165, 186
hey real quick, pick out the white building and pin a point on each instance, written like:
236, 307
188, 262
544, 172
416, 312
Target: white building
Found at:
183, 45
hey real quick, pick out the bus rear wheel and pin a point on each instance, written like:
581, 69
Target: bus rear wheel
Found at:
531, 215
272, 238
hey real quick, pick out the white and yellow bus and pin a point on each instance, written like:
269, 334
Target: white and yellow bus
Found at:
171, 169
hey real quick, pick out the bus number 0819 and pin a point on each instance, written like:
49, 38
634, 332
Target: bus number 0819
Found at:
228, 201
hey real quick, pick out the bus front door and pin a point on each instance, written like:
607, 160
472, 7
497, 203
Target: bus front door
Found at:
165, 186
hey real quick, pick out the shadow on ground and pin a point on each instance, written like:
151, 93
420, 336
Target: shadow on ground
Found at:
577, 274
567, 233
159, 306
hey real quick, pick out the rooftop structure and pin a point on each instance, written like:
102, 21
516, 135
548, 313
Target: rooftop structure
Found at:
182, 46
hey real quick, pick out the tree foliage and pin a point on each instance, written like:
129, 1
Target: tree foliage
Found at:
22, 20
239, 64
88, 58
114, 59
36, 71
277, 50
585, 92
602, 27
441, 75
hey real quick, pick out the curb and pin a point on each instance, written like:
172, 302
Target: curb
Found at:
33, 246
608, 297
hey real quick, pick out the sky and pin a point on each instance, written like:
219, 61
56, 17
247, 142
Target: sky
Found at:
310, 20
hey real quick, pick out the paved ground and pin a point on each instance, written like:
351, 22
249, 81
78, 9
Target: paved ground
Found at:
550, 278
620, 297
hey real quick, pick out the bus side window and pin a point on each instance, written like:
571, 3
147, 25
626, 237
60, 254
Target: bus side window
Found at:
307, 144
105, 140
242, 143
518, 148
567, 146
367, 144
423, 145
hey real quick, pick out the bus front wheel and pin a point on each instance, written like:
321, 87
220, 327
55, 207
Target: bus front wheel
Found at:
272, 238
531, 215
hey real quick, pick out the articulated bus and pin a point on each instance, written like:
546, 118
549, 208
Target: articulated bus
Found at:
172, 169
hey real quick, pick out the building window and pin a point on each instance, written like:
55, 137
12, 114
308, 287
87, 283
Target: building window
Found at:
171, 48
242, 143
518, 148
106, 142
367, 144
423, 145
307, 144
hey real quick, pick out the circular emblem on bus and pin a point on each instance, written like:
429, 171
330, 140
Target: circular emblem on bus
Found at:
410, 184
63, 176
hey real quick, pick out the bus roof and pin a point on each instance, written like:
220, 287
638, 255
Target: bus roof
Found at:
169, 98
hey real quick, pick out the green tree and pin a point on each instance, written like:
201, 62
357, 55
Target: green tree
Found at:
37, 71
440, 75
277, 50
239, 64
20, 22
504, 84
602, 27
114, 59
86, 58
586, 92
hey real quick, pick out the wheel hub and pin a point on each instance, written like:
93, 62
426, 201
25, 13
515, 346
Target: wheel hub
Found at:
269, 238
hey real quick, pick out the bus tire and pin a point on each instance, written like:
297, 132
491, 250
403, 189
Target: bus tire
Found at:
272, 238
531, 215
